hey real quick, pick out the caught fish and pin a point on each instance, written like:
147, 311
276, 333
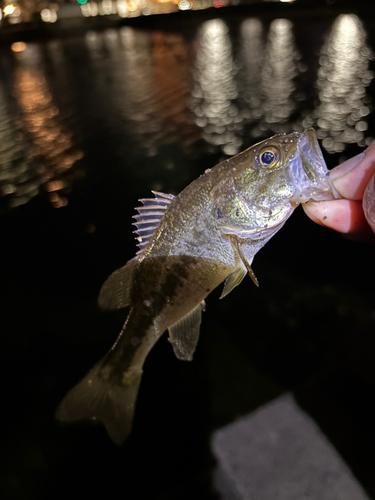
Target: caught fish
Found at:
188, 245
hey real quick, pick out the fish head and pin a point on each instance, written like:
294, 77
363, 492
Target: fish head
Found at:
260, 188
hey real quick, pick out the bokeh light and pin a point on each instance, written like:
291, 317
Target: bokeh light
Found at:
215, 91
250, 65
342, 80
18, 46
49, 142
279, 70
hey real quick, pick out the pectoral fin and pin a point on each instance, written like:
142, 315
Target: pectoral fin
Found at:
184, 334
234, 280
237, 247
115, 293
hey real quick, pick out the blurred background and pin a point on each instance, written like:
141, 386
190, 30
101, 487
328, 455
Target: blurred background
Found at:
101, 102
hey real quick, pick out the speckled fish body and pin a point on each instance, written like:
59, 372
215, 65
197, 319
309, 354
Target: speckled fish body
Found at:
189, 244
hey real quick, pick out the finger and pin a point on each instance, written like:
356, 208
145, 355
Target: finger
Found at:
344, 216
350, 178
346, 167
368, 203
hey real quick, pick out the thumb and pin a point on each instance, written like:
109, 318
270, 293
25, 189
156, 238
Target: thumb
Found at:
351, 178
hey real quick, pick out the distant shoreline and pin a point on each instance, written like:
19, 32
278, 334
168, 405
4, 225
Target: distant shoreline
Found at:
74, 26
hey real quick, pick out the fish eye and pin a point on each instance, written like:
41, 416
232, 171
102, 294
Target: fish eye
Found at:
269, 157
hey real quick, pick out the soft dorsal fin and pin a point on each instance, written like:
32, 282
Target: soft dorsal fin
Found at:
115, 293
184, 334
149, 216
234, 279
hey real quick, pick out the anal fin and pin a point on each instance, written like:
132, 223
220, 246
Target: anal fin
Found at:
115, 293
184, 334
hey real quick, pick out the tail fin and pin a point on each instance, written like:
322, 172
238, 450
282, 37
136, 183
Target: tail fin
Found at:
104, 397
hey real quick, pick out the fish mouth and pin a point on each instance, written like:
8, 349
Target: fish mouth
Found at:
309, 171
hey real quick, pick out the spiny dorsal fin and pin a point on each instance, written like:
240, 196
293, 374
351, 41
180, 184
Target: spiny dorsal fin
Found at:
234, 279
115, 293
184, 334
149, 216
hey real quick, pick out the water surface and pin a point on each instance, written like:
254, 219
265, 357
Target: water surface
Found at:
91, 123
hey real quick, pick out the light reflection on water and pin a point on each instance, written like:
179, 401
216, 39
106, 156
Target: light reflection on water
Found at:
224, 86
342, 80
279, 71
150, 73
215, 91
47, 142
50, 143
250, 74
124, 56
270, 64
17, 179
171, 80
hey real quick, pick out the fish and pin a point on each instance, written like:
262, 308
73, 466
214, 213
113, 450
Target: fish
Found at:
188, 245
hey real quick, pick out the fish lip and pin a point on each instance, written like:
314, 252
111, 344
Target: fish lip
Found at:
310, 172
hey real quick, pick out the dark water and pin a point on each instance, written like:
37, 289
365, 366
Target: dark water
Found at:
91, 123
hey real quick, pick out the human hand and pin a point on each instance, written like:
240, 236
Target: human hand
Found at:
346, 215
